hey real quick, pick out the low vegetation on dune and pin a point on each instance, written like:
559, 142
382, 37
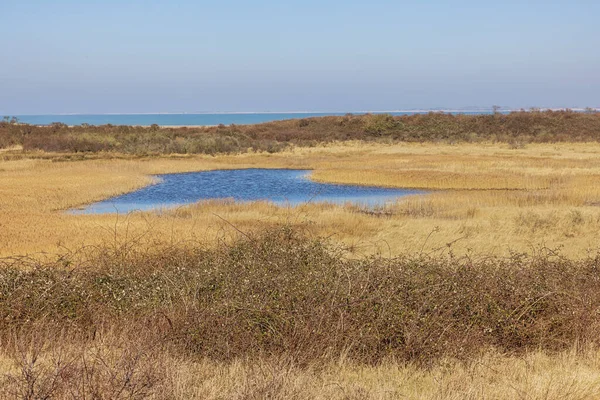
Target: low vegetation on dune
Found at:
517, 128
278, 295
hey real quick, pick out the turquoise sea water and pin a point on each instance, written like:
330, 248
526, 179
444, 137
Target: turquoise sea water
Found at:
280, 186
184, 119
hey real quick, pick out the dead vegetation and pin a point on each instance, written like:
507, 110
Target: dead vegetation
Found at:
108, 322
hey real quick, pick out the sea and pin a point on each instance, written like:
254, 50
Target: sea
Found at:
202, 119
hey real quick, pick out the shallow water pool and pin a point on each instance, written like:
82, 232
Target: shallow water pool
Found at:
280, 186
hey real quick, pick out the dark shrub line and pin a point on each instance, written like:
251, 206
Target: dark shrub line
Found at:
517, 128
280, 293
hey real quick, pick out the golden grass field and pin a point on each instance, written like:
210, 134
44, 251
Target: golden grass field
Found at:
485, 199
534, 376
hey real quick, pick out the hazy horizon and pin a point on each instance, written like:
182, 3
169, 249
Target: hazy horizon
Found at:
418, 110
183, 56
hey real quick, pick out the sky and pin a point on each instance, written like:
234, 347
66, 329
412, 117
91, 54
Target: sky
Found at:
150, 56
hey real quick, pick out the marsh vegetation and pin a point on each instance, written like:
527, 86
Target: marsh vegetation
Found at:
487, 288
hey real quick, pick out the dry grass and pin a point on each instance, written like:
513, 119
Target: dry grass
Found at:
494, 198
535, 376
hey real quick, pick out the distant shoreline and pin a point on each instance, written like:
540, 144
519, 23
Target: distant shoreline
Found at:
408, 111
214, 119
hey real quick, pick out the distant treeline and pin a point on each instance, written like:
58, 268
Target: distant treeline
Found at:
516, 128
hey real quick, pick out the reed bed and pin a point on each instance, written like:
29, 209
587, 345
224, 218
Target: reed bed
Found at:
482, 192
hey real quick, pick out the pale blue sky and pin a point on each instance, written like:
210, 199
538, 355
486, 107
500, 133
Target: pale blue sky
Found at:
109, 56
